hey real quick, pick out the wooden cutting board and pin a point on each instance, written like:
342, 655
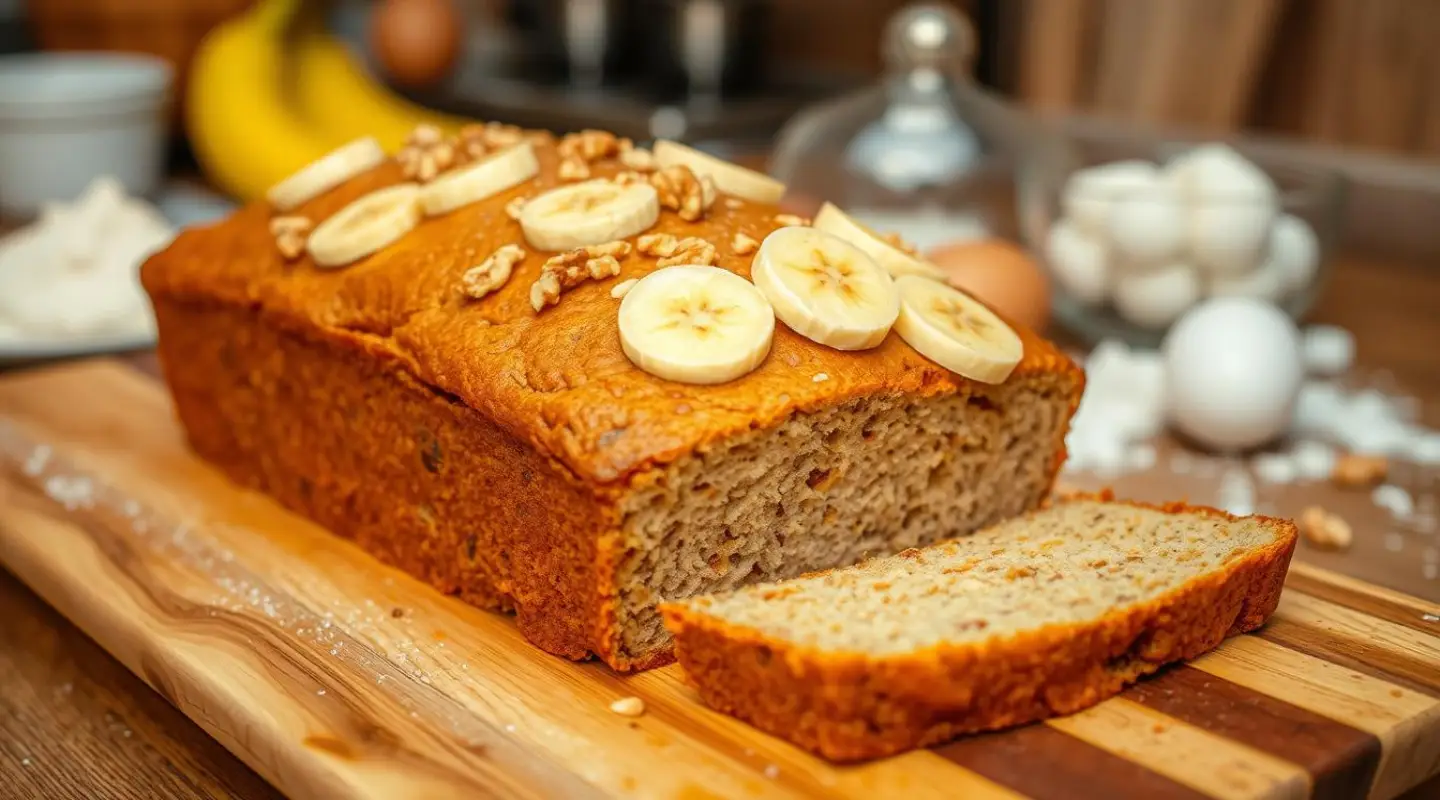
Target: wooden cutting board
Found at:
336, 677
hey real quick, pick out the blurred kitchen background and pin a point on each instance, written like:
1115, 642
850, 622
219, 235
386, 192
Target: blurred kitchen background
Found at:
1227, 207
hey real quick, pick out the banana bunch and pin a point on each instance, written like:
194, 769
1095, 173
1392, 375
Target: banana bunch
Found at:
271, 91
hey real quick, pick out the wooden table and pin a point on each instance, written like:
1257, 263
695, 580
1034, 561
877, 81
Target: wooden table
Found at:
75, 723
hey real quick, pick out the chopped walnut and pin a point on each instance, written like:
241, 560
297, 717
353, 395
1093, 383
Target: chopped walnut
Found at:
471, 144
573, 169
589, 145
1356, 471
427, 153
627, 177
570, 269
671, 250
516, 207
894, 240
290, 234
495, 135
493, 272
1324, 529
680, 190
743, 245
791, 219
639, 159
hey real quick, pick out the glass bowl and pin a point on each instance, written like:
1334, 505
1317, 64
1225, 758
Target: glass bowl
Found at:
1130, 248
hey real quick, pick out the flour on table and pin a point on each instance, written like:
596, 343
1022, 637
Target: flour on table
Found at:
74, 272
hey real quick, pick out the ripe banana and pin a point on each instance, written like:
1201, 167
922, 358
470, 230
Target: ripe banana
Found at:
593, 212
366, 225
335, 94
956, 331
244, 134
695, 324
825, 288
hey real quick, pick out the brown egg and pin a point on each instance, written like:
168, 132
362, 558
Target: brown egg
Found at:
416, 41
1000, 273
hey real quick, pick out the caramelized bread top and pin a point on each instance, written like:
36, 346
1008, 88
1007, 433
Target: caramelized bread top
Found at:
557, 379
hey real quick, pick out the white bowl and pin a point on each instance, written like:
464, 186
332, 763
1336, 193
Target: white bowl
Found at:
67, 118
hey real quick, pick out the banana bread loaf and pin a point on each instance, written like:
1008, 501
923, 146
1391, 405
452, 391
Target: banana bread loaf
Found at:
1041, 615
518, 459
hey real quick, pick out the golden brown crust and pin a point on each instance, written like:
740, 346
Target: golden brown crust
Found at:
557, 379
848, 707
324, 387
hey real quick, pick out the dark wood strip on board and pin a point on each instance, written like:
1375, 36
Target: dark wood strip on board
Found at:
1341, 759
1354, 653
1044, 763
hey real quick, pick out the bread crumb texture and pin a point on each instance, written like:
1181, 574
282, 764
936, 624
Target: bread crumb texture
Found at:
1043, 614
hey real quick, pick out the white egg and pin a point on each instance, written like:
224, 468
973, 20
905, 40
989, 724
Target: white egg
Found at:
1089, 193
1295, 250
1233, 206
1078, 263
1147, 224
1232, 372
1267, 282
1156, 298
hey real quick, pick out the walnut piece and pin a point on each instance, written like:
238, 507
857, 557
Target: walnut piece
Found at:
627, 177
493, 272
1358, 472
492, 135
639, 159
573, 169
791, 219
570, 269
671, 250
1324, 529
291, 233
743, 245
516, 207
681, 191
591, 145
427, 153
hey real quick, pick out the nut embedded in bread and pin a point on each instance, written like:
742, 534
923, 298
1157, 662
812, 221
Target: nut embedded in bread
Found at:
520, 460
1045, 614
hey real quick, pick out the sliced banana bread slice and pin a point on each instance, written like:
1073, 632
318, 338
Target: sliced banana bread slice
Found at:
1045, 614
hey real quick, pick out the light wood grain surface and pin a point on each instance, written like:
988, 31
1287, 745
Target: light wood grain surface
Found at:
334, 676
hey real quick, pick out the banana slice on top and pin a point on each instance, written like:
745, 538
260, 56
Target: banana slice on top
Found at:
956, 331
485, 178
825, 288
731, 179
897, 262
366, 225
593, 212
327, 172
695, 324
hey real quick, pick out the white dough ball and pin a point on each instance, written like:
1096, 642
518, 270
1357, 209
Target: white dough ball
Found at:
1089, 193
1265, 283
1233, 208
1078, 262
1147, 224
1233, 370
1295, 249
1156, 298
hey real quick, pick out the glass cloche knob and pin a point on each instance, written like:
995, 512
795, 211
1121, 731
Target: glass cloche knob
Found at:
930, 35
